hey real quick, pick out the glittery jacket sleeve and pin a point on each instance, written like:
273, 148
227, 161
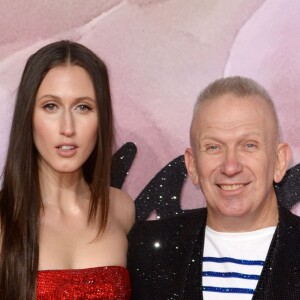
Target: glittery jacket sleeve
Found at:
160, 255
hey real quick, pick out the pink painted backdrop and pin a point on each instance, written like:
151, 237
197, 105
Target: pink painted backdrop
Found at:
160, 54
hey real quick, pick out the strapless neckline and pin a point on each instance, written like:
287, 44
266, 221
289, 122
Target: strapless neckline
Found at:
105, 282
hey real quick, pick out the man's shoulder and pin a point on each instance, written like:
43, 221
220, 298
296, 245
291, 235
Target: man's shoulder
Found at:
289, 223
187, 216
159, 250
287, 216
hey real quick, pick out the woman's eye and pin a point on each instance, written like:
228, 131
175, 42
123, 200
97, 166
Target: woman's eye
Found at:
82, 107
50, 107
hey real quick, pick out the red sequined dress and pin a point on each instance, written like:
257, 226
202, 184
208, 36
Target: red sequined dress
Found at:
107, 283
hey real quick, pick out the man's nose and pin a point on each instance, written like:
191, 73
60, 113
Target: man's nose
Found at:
231, 164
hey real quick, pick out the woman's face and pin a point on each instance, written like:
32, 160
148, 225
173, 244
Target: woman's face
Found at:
65, 119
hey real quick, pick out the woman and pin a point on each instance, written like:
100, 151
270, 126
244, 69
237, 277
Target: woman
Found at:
63, 228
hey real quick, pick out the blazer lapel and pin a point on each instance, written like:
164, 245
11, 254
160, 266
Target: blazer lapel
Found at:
187, 264
192, 289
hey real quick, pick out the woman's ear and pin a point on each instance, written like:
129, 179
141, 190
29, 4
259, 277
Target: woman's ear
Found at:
190, 163
283, 156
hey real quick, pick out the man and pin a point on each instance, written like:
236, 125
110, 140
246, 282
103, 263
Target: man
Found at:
243, 245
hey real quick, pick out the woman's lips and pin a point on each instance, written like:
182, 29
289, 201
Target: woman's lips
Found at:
67, 150
66, 147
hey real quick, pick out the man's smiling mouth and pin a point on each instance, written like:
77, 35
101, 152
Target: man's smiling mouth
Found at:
230, 187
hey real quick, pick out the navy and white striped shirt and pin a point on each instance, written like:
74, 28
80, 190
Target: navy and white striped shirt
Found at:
233, 262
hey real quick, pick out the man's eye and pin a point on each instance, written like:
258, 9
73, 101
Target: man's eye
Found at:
213, 148
250, 146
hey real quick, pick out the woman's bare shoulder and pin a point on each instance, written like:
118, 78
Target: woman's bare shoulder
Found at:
122, 208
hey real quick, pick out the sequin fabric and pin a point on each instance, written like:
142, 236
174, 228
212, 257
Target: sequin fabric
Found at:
162, 193
165, 259
109, 283
288, 189
121, 163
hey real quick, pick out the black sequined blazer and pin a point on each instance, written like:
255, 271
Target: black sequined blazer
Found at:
165, 259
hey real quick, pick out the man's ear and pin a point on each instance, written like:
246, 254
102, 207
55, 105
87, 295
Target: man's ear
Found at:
190, 163
282, 161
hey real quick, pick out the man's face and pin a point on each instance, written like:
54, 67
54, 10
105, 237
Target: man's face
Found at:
235, 156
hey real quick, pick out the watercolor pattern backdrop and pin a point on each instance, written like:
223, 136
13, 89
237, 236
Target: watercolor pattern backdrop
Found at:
160, 54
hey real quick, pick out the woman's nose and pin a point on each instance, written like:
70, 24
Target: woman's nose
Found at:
67, 124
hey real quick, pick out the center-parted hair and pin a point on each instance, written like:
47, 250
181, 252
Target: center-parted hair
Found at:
20, 198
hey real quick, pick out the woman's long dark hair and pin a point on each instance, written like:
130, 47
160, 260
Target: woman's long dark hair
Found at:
20, 198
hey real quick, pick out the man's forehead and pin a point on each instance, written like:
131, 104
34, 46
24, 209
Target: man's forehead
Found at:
229, 134
231, 98
233, 113
230, 107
